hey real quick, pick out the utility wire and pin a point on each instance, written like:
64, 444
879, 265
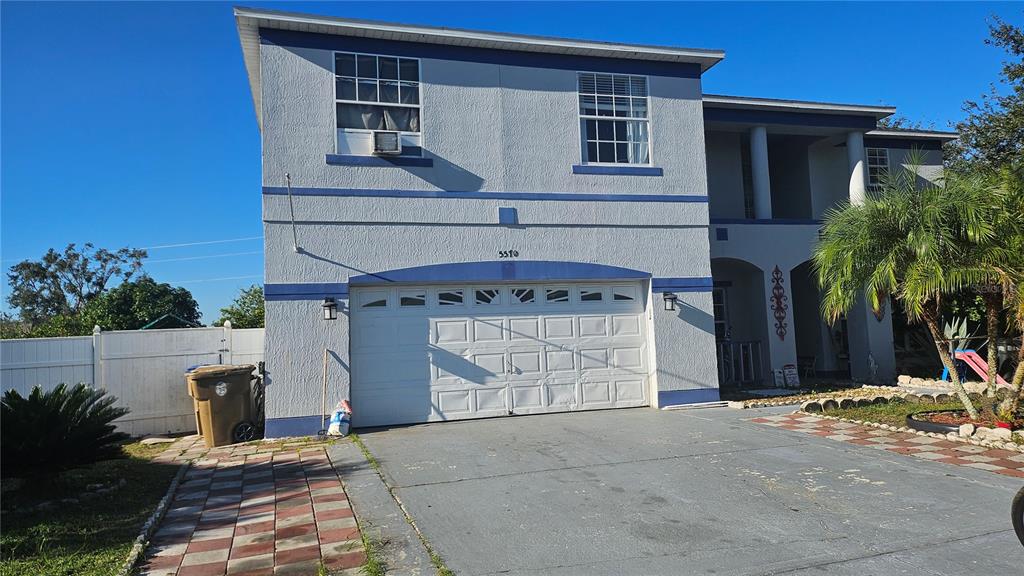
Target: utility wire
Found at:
183, 258
180, 245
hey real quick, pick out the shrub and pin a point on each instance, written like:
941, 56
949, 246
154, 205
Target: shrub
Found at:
57, 430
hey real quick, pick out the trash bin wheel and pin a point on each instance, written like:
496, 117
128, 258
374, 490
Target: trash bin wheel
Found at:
244, 432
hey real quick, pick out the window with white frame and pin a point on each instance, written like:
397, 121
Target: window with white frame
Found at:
375, 93
878, 167
613, 111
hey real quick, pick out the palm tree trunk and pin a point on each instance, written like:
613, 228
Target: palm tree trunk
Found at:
931, 320
993, 304
1018, 380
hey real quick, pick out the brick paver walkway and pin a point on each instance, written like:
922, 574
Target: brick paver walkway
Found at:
260, 508
1000, 461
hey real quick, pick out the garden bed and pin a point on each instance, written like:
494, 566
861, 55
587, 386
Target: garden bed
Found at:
893, 413
85, 520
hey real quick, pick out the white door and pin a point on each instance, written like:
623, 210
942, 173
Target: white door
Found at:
429, 353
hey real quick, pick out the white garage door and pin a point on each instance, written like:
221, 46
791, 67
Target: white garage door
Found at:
431, 353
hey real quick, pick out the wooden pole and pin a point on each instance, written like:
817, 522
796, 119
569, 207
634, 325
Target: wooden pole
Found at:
323, 397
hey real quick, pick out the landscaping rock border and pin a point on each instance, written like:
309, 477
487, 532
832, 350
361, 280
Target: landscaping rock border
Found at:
142, 540
953, 436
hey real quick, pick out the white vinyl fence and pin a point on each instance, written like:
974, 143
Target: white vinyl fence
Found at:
144, 369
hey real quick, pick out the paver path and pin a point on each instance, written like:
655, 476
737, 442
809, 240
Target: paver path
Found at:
1000, 461
260, 508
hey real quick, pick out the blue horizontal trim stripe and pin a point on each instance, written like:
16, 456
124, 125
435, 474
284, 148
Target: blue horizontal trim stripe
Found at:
617, 170
482, 55
679, 397
309, 291
499, 271
379, 161
681, 284
294, 426
791, 118
901, 144
531, 196
768, 221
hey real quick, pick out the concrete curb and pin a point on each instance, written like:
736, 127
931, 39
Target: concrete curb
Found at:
380, 517
142, 540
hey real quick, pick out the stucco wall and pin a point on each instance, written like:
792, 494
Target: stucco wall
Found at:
487, 128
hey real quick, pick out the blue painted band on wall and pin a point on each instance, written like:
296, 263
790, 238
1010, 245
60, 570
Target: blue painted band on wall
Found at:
444, 194
901, 144
306, 291
768, 221
680, 397
681, 284
617, 170
294, 426
481, 55
791, 118
499, 271
379, 161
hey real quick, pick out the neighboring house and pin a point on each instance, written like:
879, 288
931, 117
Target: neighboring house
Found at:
569, 225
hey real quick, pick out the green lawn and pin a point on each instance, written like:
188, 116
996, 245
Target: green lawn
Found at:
893, 413
92, 537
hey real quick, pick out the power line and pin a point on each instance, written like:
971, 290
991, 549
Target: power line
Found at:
203, 243
215, 279
183, 258
179, 245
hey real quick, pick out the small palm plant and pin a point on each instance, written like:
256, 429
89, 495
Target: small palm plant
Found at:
908, 241
48, 432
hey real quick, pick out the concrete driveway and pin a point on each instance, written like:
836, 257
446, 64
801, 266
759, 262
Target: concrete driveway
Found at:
688, 492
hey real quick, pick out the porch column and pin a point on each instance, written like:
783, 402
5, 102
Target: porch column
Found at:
855, 157
872, 354
778, 294
759, 173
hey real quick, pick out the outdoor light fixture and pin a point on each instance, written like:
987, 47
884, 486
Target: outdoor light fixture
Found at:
670, 301
330, 309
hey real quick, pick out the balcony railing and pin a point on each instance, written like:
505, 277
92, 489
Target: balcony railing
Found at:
739, 364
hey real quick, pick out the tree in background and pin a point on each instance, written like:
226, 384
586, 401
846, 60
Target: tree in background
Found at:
992, 134
62, 283
132, 305
246, 311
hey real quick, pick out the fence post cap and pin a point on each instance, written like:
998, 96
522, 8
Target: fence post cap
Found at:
96, 329
227, 324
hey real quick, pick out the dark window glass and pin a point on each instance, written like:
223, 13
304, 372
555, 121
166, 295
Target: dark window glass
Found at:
449, 298
409, 70
622, 152
368, 90
605, 130
413, 300
345, 64
346, 88
486, 296
557, 295
367, 66
588, 296
410, 93
606, 152
388, 92
388, 68
523, 295
376, 303
591, 151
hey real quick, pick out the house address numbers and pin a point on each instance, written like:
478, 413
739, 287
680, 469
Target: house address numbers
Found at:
508, 253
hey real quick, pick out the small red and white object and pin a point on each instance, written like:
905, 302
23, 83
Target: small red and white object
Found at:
341, 419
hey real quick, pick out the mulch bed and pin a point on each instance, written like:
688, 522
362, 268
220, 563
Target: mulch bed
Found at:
958, 417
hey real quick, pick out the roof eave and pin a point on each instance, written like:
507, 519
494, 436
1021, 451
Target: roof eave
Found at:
752, 103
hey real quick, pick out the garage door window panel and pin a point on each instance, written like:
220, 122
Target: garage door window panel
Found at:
523, 296
450, 298
591, 294
487, 296
412, 298
557, 295
374, 300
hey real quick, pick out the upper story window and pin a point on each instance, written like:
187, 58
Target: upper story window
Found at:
878, 167
614, 118
375, 93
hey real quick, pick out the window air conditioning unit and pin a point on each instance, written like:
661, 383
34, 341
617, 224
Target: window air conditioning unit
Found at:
386, 142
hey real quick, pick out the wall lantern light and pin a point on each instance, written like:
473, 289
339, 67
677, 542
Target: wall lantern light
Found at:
670, 301
330, 309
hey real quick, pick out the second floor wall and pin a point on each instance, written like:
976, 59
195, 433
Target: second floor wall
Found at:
485, 120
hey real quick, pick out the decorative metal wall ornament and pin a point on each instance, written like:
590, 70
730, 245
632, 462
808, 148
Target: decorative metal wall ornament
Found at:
779, 305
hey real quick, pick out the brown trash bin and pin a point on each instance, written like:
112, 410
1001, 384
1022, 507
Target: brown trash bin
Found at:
222, 396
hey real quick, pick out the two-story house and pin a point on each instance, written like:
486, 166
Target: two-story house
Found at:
466, 224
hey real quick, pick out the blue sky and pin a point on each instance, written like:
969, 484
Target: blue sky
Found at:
132, 124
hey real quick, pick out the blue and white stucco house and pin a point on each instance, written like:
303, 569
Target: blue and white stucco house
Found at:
503, 224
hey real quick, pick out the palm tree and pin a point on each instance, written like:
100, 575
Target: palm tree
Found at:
909, 241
